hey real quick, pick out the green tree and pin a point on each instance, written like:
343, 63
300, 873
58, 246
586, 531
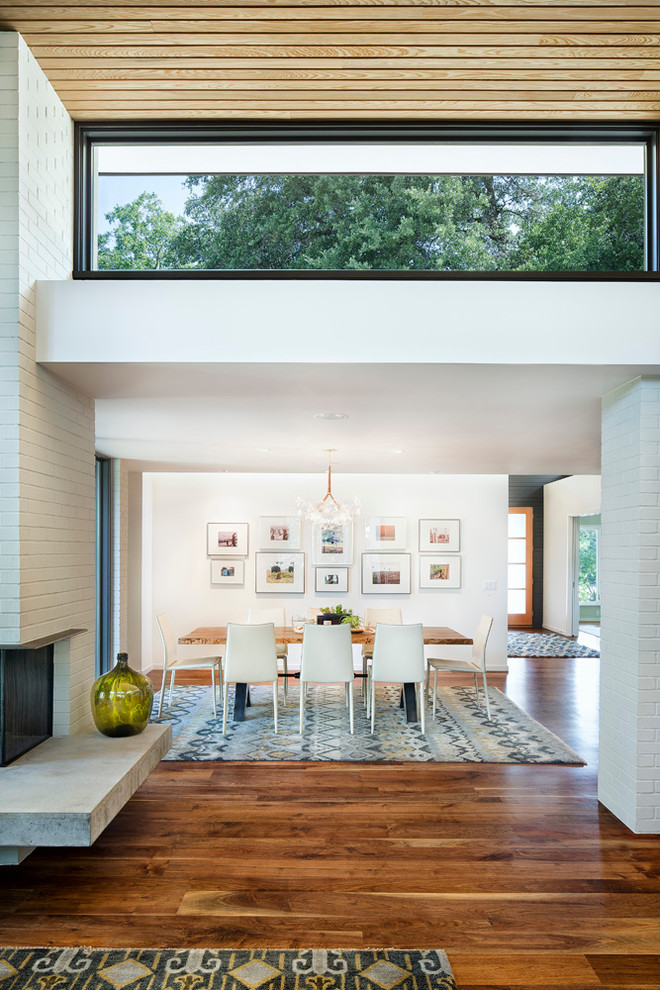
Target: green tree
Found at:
141, 237
386, 222
588, 576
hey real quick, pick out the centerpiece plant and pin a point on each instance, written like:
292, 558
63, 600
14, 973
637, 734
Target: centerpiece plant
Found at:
348, 616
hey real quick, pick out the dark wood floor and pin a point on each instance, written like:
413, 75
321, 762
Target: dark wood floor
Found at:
516, 871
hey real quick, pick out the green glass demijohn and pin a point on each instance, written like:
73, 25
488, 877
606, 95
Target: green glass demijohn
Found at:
121, 700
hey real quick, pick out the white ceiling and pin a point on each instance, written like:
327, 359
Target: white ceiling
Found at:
500, 419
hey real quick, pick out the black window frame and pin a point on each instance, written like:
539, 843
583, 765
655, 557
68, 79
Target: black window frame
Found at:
313, 132
103, 565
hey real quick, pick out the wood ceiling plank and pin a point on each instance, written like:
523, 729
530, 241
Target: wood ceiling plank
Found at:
619, 30
161, 35
281, 48
369, 113
118, 70
292, 97
440, 4
362, 104
521, 13
647, 90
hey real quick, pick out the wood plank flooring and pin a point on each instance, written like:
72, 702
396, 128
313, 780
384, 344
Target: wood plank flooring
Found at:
516, 871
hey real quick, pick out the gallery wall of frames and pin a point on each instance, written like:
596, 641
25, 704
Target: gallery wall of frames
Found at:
215, 546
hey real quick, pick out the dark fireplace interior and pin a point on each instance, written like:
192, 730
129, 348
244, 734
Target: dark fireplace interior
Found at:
26, 699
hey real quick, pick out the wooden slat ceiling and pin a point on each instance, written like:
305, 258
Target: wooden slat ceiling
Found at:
348, 59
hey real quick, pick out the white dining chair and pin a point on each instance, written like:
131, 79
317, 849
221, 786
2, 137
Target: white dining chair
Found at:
398, 658
372, 616
173, 662
250, 658
475, 666
278, 617
327, 658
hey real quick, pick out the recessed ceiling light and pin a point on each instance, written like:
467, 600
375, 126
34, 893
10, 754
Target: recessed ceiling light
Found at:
263, 450
397, 452
330, 416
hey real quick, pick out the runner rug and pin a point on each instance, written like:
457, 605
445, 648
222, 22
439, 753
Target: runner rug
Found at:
546, 645
225, 969
460, 732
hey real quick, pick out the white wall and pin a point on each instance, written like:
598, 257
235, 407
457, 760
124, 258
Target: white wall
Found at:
562, 501
629, 774
176, 568
446, 322
48, 454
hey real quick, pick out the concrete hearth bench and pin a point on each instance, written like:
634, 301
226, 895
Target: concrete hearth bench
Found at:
65, 791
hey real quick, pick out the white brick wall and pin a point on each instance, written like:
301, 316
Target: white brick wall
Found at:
629, 775
9, 518
46, 427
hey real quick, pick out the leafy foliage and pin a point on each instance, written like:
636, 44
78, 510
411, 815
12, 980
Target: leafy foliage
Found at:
385, 222
588, 590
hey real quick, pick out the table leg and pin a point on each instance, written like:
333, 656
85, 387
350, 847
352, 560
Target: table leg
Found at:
410, 700
241, 700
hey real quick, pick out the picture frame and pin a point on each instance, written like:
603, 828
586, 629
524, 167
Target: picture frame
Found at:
385, 533
227, 572
227, 539
279, 573
386, 573
439, 535
439, 572
331, 579
332, 543
279, 532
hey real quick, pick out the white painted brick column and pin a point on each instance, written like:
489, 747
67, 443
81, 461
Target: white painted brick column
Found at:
629, 774
46, 427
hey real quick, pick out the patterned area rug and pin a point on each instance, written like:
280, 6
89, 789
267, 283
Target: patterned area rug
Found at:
460, 732
225, 969
546, 645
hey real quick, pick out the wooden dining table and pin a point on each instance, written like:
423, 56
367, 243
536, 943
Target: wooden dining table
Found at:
217, 636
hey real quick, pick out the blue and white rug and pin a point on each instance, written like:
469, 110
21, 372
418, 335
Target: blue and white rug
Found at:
522, 644
460, 732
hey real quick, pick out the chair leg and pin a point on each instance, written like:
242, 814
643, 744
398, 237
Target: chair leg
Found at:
169, 700
435, 688
302, 705
276, 691
225, 704
476, 688
349, 687
346, 702
428, 678
162, 692
486, 694
215, 703
285, 668
421, 690
373, 704
365, 684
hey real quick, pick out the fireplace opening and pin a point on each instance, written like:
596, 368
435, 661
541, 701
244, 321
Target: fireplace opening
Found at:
26, 699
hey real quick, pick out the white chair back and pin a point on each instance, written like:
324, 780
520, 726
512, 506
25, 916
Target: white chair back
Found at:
398, 653
390, 616
480, 640
257, 616
327, 654
167, 638
250, 654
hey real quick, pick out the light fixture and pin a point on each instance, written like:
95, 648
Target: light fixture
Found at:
328, 510
330, 415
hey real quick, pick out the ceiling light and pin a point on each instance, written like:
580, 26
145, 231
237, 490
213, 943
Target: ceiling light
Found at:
328, 510
330, 415
397, 452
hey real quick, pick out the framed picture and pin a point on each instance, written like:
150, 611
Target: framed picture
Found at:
385, 573
279, 573
385, 533
227, 571
332, 544
279, 533
227, 539
439, 572
439, 535
329, 579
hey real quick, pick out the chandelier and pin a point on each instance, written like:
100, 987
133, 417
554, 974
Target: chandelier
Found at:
328, 510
